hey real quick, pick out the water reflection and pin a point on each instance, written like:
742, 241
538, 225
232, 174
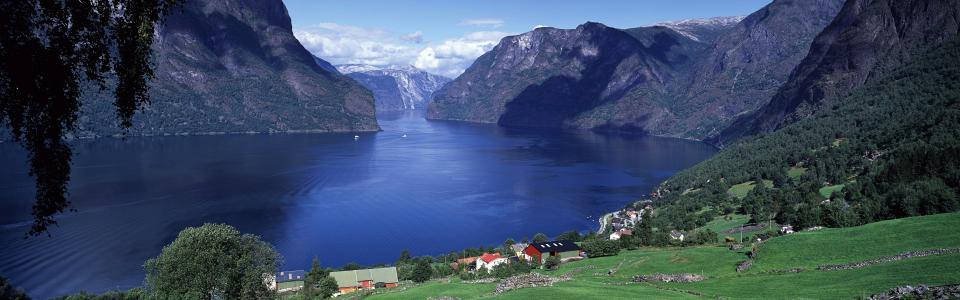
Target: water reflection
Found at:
427, 186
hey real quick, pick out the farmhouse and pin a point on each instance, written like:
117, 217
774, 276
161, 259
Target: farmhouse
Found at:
351, 281
489, 260
677, 235
468, 263
535, 252
289, 281
616, 235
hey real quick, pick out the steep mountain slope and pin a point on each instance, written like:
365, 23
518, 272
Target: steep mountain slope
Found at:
748, 63
889, 149
325, 65
868, 38
547, 77
396, 88
235, 66
683, 79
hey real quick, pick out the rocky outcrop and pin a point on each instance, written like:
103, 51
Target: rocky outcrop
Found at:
396, 88
528, 280
234, 66
888, 259
919, 292
866, 39
658, 277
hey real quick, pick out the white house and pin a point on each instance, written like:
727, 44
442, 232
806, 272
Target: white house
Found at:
676, 235
786, 229
488, 261
616, 235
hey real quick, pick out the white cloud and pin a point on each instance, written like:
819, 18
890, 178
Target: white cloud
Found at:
451, 57
416, 37
494, 23
345, 44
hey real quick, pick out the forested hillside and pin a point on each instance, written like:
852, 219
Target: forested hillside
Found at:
890, 149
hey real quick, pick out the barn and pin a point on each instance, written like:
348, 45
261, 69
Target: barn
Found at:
535, 252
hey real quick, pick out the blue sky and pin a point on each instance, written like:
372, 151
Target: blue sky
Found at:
444, 37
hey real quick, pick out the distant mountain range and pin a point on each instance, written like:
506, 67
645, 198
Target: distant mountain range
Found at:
687, 79
396, 88
235, 66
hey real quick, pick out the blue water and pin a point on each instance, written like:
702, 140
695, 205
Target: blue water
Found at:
444, 187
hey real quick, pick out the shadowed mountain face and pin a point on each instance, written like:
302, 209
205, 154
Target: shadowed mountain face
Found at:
396, 88
681, 79
235, 66
867, 38
747, 64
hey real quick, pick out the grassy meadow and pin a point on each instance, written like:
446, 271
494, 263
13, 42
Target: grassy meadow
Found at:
805, 250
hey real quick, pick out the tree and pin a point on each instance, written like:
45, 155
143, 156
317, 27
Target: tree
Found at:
600, 248
404, 256
213, 261
317, 278
540, 238
8, 291
572, 235
327, 287
551, 263
421, 272
58, 44
351, 266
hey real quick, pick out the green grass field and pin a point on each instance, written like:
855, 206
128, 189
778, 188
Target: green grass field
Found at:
740, 190
795, 172
800, 250
828, 190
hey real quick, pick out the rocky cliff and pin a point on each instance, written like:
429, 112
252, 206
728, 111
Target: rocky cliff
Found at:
866, 39
235, 66
396, 88
684, 79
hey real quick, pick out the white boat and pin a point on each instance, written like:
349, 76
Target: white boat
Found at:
356, 137
404, 135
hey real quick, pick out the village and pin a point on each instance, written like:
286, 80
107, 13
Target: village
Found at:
349, 281
616, 232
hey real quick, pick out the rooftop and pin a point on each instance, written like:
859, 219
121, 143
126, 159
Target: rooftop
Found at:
556, 246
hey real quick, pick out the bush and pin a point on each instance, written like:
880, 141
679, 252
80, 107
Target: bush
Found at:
551, 263
422, 272
601, 248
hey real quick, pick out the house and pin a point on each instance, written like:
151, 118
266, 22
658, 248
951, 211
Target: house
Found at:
518, 249
633, 215
676, 235
616, 235
490, 260
468, 263
287, 281
352, 281
786, 229
535, 252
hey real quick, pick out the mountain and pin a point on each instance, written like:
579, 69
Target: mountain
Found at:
549, 77
680, 79
235, 66
747, 64
888, 149
325, 65
396, 88
868, 38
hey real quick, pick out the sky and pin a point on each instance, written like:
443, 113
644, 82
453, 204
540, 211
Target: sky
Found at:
445, 37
